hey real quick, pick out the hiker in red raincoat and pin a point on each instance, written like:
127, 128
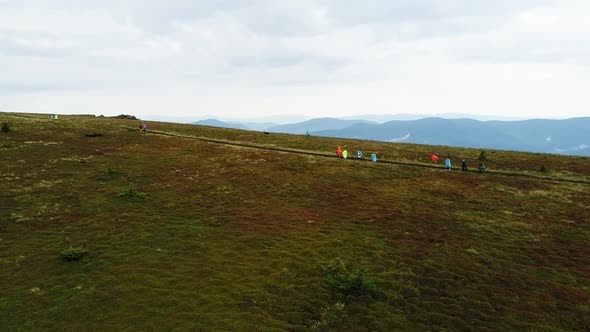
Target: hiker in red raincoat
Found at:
434, 159
338, 152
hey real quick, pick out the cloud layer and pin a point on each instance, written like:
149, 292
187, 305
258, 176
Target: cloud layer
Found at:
321, 58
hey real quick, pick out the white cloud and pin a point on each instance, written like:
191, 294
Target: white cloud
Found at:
572, 149
323, 58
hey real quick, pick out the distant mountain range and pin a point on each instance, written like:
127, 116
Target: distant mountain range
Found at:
299, 128
382, 118
319, 124
263, 123
221, 124
569, 136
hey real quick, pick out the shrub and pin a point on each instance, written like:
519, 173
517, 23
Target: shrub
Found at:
131, 192
482, 156
5, 128
472, 251
355, 283
73, 254
543, 169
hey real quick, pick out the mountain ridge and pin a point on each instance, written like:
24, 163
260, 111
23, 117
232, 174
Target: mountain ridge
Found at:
558, 136
568, 136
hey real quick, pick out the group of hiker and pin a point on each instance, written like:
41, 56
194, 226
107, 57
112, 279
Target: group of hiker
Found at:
481, 167
464, 164
359, 154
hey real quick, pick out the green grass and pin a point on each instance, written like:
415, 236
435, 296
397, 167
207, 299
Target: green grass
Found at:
230, 238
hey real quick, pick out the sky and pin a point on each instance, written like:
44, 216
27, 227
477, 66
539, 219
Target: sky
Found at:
322, 58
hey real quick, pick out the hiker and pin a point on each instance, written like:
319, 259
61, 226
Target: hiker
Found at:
145, 128
344, 154
359, 154
448, 164
338, 152
464, 165
374, 157
434, 159
482, 167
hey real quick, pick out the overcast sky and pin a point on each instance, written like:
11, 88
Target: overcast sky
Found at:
241, 59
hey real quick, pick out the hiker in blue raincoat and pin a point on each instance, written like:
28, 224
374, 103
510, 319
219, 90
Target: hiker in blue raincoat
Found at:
448, 164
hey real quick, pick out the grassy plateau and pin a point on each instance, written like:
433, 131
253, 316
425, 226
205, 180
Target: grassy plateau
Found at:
104, 228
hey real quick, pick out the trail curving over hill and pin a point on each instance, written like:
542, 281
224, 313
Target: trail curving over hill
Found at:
381, 161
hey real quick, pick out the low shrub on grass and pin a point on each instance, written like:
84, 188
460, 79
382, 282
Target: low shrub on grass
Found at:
131, 192
543, 169
349, 282
73, 254
482, 156
5, 128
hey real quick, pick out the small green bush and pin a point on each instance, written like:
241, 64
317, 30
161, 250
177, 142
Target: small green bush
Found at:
482, 156
5, 128
355, 283
73, 254
472, 251
131, 192
543, 169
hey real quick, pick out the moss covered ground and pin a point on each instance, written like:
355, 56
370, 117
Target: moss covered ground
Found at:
189, 235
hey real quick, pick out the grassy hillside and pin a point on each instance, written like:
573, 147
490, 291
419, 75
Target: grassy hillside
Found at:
222, 237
